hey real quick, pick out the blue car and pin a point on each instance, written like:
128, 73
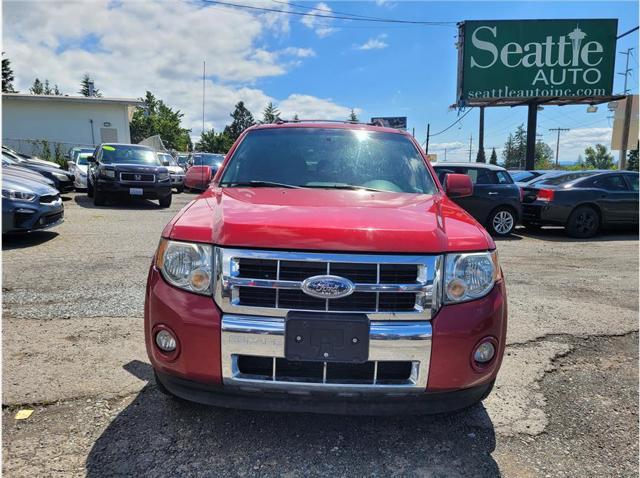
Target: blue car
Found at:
28, 205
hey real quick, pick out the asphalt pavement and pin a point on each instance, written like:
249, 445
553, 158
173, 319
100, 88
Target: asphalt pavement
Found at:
565, 402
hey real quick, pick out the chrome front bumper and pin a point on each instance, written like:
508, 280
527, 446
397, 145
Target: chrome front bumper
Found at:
265, 337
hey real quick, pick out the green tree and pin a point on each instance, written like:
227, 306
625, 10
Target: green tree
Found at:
353, 116
270, 114
480, 157
7, 76
37, 88
598, 158
510, 154
494, 157
544, 155
85, 89
632, 160
295, 117
212, 142
242, 119
156, 118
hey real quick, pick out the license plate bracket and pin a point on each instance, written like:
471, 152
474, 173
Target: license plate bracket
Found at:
324, 337
136, 191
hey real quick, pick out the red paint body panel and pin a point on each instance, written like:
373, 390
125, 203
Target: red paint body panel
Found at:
197, 177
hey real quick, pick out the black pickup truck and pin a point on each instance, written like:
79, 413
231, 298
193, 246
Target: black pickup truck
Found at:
127, 170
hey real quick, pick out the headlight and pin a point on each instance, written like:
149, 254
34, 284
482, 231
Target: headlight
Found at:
61, 176
470, 276
162, 176
107, 173
11, 194
186, 265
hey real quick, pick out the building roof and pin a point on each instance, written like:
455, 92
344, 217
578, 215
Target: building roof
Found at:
72, 99
472, 164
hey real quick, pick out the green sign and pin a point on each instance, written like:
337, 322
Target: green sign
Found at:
523, 59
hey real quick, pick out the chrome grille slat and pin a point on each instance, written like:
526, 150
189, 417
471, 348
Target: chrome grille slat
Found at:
388, 300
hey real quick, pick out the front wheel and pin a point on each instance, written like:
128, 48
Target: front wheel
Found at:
502, 221
165, 201
583, 223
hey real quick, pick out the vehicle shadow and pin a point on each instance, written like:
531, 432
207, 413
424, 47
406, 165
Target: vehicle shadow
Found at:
20, 241
160, 436
119, 203
558, 234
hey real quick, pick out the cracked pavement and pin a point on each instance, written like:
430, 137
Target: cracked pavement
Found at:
565, 402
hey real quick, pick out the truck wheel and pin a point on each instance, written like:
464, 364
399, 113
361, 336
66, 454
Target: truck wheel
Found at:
165, 201
89, 188
502, 221
99, 198
583, 222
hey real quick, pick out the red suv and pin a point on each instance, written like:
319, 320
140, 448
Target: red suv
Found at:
326, 269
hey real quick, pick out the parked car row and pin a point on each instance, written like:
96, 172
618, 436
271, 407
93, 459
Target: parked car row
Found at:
583, 202
31, 190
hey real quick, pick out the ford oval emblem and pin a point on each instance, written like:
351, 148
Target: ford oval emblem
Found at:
327, 287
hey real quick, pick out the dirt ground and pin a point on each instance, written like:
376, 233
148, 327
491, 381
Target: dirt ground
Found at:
565, 403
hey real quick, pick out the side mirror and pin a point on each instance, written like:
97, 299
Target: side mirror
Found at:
91, 159
458, 185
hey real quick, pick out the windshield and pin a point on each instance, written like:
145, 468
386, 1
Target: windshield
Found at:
164, 157
313, 157
205, 159
520, 176
128, 154
563, 178
82, 158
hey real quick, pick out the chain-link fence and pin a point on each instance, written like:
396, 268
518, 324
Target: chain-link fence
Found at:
48, 150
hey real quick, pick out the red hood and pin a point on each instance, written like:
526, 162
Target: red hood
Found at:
328, 220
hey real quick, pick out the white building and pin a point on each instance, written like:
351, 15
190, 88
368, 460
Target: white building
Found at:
64, 121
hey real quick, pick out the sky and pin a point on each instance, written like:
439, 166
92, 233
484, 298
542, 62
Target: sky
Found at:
310, 66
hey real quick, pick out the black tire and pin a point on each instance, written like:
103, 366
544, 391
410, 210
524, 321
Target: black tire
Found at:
584, 222
180, 189
501, 222
89, 189
165, 201
99, 198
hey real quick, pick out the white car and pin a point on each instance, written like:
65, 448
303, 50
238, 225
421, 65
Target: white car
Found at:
176, 173
79, 169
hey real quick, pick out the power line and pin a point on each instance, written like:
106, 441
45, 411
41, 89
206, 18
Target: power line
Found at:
452, 124
329, 16
316, 9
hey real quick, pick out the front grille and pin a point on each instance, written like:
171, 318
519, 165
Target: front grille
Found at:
383, 285
46, 220
137, 177
49, 199
280, 369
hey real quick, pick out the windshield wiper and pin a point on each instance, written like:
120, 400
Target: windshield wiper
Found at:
351, 187
260, 184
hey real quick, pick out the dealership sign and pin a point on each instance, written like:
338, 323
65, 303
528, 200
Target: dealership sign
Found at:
523, 59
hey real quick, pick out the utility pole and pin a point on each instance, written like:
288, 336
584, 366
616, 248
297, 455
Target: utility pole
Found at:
470, 146
559, 130
445, 154
204, 68
627, 70
426, 144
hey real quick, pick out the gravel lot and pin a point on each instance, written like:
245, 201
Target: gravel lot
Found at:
565, 403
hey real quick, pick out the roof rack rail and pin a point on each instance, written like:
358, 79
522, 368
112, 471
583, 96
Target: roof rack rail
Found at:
282, 121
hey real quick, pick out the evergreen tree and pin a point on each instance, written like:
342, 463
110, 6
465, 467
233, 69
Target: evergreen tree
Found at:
47, 90
242, 119
480, 157
212, 142
270, 114
510, 154
632, 160
37, 88
84, 87
7, 76
598, 158
56, 91
353, 116
295, 117
494, 157
156, 118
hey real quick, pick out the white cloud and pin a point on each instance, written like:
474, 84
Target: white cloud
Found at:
377, 43
316, 22
132, 47
452, 146
310, 107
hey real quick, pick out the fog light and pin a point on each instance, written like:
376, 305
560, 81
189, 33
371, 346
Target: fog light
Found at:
165, 341
484, 353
